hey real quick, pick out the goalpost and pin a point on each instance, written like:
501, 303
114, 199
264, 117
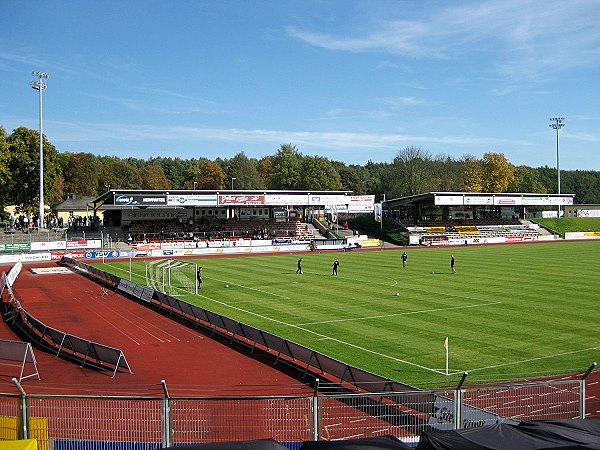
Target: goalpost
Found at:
172, 276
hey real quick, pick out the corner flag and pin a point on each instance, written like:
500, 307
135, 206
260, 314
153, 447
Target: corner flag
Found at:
446, 347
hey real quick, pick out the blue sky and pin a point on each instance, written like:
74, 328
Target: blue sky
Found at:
349, 80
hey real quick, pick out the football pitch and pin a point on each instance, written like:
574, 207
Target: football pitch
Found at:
510, 311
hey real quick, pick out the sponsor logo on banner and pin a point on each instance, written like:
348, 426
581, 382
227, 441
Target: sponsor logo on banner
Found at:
140, 200
192, 200
448, 200
241, 199
328, 200
286, 199
76, 244
76, 255
507, 201
56, 256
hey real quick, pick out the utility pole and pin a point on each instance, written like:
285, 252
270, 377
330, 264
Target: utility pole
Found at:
557, 124
40, 85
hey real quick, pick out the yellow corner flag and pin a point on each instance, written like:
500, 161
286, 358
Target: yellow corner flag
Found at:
446, 343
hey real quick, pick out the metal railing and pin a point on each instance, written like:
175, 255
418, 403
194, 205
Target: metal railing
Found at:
84, 422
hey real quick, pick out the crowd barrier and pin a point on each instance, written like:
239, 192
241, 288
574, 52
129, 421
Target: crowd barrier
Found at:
62, 344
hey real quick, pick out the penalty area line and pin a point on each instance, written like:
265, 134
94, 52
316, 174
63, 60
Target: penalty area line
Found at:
250, 288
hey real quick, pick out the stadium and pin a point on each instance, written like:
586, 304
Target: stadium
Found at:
110, 340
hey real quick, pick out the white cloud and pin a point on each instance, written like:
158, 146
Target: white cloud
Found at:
524, 39
82, 132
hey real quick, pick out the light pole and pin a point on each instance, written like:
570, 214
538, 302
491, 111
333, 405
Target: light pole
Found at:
232, 179
195, 184
557, 124
40, 85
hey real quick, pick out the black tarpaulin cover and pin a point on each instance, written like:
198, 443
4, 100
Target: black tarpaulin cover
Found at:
258, 444
555, 434
375, 443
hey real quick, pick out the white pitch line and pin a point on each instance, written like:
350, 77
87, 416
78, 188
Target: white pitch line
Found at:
250, 288
535, 359
398, 314
366, 350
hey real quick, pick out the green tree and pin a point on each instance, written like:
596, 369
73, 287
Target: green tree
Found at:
119, 174
82, 174
286, 168
351, 180
209, 175
5, 175
472, 174
153, 177
245, 172
526, 179
412, 171
264, 168
318, 173
24, 167
446, 174
498, 172
178, 171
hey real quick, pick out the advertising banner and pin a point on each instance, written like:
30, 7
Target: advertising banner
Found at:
16, 246
52, 245
361, 203
241, 199
140, 200
192, 200
448, 200
541, 200
560, 201
477, 200
328, 199
129, 215
286, 199
507, 201
77, 244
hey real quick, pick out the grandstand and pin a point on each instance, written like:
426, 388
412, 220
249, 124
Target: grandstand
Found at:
463, 218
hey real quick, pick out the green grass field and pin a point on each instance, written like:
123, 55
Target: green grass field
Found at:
511, 311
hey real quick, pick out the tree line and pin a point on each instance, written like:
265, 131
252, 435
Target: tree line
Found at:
412, 171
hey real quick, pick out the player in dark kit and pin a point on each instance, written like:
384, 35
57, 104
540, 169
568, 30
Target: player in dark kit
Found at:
199, 277
299, 269
452, 263
335, 266
404, 257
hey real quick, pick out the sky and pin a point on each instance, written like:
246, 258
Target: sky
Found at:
350, 80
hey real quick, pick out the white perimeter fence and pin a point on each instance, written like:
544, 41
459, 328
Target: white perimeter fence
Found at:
137, 423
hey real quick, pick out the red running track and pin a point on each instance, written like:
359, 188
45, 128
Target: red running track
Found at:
156, 347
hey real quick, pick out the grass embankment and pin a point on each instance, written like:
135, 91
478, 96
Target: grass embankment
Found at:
570, 224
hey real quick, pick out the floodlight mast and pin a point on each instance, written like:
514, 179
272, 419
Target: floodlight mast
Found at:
558, 123
40, 85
